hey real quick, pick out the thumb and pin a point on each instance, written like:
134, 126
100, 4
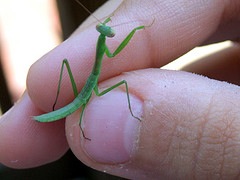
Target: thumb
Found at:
186, 118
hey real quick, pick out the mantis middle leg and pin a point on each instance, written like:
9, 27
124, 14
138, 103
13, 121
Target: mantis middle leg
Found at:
113, 87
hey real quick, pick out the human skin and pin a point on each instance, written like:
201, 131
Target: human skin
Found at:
191, 124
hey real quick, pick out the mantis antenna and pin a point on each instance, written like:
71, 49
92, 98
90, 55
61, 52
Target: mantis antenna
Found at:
86, 9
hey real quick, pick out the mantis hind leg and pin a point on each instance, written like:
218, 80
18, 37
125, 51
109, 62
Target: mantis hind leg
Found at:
113, 87
74, 87
80, 122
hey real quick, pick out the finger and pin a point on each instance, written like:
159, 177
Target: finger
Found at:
178, 27
190, 128
25, 143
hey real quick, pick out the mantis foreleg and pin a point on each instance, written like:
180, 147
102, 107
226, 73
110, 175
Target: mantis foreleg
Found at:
124, 42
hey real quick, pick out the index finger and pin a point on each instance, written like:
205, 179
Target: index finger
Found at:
179, 26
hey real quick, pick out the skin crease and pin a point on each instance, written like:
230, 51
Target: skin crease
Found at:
191, 123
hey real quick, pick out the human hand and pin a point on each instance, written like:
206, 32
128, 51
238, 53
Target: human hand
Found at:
190, 123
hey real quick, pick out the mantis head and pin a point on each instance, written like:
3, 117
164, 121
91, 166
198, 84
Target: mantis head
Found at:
105, 30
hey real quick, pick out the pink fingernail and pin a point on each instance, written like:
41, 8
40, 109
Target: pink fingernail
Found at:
112, 129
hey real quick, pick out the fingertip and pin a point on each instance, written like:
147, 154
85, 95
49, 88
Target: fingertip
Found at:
26, 143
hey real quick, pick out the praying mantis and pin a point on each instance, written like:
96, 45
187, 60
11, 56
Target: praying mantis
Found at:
81, 99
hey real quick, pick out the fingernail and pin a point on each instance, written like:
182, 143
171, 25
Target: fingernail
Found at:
112, 129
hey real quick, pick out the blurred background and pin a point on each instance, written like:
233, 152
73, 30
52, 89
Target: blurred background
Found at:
28, 30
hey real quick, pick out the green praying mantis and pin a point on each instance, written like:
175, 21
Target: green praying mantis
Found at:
81, 99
